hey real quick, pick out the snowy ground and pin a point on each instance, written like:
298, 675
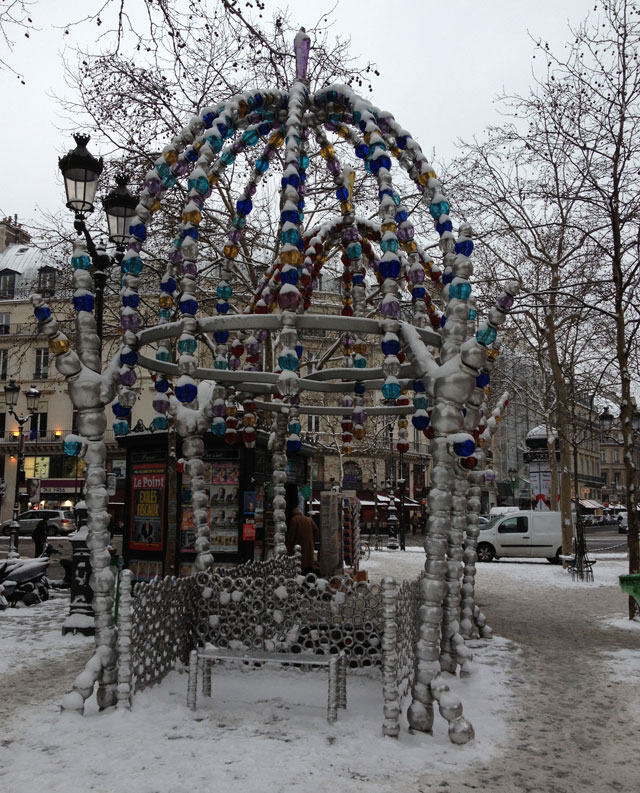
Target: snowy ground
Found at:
264, 730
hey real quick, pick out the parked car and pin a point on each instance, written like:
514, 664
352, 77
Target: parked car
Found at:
622, 520
61, 521
528, 533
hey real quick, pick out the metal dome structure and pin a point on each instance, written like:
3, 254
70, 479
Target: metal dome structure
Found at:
445, 359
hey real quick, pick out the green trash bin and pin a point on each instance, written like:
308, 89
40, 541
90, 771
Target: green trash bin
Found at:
630, 585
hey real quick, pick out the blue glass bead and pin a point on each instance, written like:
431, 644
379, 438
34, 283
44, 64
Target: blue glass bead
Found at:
71, 448
222, 129
228, 158
439, 208
443, 321
139, 230
418, 386
401, 141
168, 285
231, 131
187, 393
379, 162
290, 236
288, 361
447, 277
420, 402
387, 191
164, 313
294, 427
80, 262
298, 349
244, 206
465, 448
401, 216
191, 154
190, 231
120, 428
418, 292
396, 201
201, 184
132, 266
84, 302
391, 390
357, 280
460, 291
160, 423
224, 291
220, 363
289, 276
42, 313
293, 180
262, 165
221, 336
359, 389
359, 361
294, 444
219, 426
300, 206
482, 380
250, 137
442, 227
188, 346
188, 306
161, 385
208, 119
363, 125
362, 150
342, 194
162, 354
390, 347
129, 358
264, 129
222, 307
465, 247
121, 411
357, 115
303, 161
472, 313
239, 221
289, 216
354, 250
420, 421
390, 245
390, 269
131, 301
486, 336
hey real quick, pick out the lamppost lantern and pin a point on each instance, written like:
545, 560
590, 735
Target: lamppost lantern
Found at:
120, 209
635, 420
81, 171
33, 399
606, 420
11, 393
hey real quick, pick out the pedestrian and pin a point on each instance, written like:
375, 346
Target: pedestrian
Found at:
303, 532
415, 523
39, 535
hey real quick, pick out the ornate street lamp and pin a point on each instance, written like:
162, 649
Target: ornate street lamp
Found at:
11, 395
606, 420
81, 171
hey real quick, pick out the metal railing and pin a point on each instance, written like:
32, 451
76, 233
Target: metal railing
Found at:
49, 436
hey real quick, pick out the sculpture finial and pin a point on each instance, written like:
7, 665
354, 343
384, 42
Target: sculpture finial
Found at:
301, 46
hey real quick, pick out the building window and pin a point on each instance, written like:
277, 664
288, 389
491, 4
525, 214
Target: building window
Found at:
604, 478
4, 359
38, 427
5, 324
7, 285
313, 423
47, 281
41, 371
616, 479
36, 467
603, 455
616, 456
352, 476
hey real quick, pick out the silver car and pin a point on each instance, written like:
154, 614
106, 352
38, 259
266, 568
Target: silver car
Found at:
61, 521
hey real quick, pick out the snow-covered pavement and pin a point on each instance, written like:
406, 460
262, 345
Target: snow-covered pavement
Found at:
553, 703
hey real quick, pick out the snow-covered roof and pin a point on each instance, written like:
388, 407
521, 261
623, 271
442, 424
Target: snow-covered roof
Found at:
540, 432
25, 261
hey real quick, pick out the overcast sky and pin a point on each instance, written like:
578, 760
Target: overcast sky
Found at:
442, 65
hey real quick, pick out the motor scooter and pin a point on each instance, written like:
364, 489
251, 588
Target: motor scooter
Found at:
24, 582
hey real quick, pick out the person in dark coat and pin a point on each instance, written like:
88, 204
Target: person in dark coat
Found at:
303, 532
39, 535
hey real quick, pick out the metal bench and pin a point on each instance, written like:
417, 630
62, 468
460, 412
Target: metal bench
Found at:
580, 567
203, 657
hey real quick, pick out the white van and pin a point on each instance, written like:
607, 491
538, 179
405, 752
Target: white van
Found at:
522, 533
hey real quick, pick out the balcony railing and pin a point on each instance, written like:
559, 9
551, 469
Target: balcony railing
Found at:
50, 436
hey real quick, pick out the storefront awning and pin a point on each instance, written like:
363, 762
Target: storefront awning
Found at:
589, 504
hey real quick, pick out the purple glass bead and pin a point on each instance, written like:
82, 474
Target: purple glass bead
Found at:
180, 168
330, 126
383, 125
302, 190
175, 257
197, 199
134, 245
347, 341
262, 335
238, 147
269, 153
160, 405
347, 118
130, 321
305, 133
251, 346
153, 185
416, 275
359, 415
234, 363
190, 268
219, 408
333, 166
294, 400
250, 190
390, 309
505, 302
351, 234
346, 401
128, 378
266, 296
405, 233
235, 235
289, 299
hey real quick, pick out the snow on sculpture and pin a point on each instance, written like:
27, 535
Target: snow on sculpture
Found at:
444, 358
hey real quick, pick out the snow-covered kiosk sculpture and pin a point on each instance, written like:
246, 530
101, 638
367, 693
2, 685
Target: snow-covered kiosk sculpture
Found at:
443, 358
